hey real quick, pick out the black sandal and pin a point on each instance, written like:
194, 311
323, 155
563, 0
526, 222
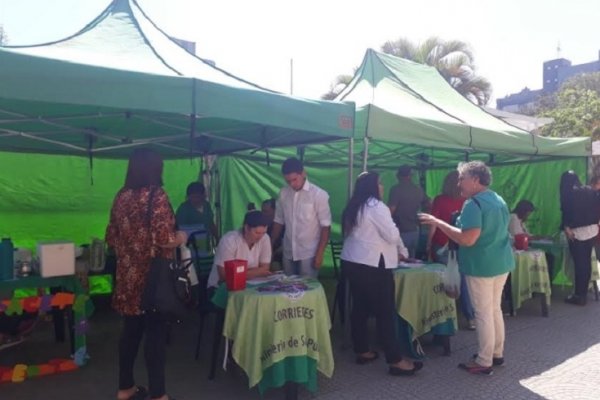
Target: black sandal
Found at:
361, 360
141, 393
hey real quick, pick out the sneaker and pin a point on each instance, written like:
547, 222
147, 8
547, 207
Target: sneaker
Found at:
472, 325
576, 300
496, 361
474, 368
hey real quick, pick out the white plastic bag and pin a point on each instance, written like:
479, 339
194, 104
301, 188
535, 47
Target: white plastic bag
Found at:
451, 278
186, 260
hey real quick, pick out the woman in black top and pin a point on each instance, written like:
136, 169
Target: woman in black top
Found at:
580, 206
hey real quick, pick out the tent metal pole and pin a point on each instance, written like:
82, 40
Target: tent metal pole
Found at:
365, 153
350, 166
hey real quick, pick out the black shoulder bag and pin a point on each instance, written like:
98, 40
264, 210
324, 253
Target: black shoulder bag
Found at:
168, 288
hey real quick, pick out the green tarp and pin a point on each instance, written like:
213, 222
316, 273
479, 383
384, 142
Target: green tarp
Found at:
412, 106
537, 182
51, 197
47, 197
121, 82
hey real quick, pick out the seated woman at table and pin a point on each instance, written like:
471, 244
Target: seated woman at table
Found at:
370, 252
486, 258
519, 216
251, 243
580, 209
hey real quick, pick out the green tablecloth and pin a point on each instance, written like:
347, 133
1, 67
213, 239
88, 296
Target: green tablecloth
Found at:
563, 273
273, 333
421, 300
529, 276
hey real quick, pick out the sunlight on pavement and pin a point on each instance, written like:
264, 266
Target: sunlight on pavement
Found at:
576, 378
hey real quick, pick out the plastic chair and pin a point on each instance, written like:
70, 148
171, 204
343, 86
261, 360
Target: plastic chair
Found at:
336, 250
342, 297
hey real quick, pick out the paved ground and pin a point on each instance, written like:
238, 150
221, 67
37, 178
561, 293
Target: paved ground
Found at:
547, 358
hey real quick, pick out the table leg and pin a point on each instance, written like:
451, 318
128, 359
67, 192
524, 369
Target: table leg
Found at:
444, 341
544, 304
58, 317
508, 295
291, 391
71, 328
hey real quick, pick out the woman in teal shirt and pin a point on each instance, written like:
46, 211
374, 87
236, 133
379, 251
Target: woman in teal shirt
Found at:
486, 258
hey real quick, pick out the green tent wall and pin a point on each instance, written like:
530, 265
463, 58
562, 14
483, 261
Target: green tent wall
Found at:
51, 197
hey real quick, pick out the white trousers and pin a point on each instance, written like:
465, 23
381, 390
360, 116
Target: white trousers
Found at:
486, 296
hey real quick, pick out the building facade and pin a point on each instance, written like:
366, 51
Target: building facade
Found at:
555, 73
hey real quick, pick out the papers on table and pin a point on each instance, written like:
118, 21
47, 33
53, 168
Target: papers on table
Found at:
541, 241
403, 264
264, 279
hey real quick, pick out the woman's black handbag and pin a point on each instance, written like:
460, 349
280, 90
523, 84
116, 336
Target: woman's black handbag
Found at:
168, 288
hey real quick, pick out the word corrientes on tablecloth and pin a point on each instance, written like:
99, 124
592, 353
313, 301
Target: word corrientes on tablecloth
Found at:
293, 312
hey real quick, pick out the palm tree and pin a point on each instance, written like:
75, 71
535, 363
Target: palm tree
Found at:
452, 58
340, 82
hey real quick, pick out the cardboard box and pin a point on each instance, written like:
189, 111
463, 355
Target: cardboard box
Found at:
56, 258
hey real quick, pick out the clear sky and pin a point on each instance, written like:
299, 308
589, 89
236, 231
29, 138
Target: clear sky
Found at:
255, 39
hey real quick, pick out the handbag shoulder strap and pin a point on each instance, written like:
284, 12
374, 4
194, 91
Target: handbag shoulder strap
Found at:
149, 219
149, 223
149, 209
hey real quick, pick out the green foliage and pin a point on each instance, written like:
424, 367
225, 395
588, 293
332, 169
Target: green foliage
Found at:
341, 81
452, 58
575, 108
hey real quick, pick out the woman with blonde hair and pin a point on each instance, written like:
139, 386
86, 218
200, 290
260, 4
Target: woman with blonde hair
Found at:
446, 207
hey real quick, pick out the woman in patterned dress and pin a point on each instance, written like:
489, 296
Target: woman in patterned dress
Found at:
139, 231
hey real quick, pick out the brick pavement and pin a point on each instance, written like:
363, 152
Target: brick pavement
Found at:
554, 358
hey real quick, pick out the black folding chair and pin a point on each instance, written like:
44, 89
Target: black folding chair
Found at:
341, 298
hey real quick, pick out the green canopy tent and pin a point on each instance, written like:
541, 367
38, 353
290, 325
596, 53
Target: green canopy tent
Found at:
408, 114
412, 106
118, 83
121, 82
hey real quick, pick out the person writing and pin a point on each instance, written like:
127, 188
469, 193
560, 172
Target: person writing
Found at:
519, 216
303, 208
251, 243
370, 252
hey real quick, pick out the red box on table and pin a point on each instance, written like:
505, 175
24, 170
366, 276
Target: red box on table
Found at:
521, 241
235, 274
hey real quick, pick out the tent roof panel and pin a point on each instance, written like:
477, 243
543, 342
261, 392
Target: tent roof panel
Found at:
422, 109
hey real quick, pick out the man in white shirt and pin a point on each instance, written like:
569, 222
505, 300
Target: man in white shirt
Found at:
304, 210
